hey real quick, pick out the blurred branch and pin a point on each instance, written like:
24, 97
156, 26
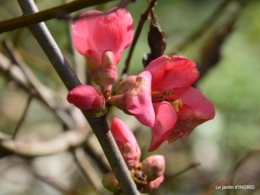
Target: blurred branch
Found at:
16, 74
210, 52
87, 170
210, 20
79, 68
23, 116
34, 18
229, 179
65, 141
99, 125
33, 85
142, 20
189, 167
241, 162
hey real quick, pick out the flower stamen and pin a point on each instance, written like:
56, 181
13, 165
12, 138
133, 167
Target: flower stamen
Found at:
166, 96
176, 104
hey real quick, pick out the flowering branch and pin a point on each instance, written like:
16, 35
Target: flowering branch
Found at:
70, 80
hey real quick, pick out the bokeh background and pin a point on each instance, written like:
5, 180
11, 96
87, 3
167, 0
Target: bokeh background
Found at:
222, 37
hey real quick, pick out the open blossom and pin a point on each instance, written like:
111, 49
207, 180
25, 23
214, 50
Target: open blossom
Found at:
163, 99
87, 98
126, 143
101, 38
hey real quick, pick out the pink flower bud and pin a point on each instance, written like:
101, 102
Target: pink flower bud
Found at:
126, 143
110, 182
153, 167
87, 98
101, 38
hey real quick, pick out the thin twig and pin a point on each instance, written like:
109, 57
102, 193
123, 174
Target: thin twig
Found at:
210, 20
87, 170
34, 18
189, 167
143, 18
39, 90
29, 100
241, 162
99, 125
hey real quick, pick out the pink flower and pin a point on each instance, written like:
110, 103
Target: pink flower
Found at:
163, 99
126, 143
87, 98
101, 38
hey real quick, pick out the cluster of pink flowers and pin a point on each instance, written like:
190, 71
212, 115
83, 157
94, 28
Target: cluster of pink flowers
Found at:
160, 97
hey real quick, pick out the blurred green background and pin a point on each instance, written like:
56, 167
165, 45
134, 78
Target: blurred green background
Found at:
230, 59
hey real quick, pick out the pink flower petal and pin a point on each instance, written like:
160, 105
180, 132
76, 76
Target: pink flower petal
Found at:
107, 32
155, 183
197, 101
172, 71
165, 120
83, 30
139, 102
196, 110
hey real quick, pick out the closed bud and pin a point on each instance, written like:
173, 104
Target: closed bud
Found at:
153, 167
87, 98
126, 143
110, 182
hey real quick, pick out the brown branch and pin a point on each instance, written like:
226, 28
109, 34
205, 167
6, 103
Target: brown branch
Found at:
15, 73
34, 18
210, 20
189, 167
65, 141
142, 20
87, 170
23, 116
20, 73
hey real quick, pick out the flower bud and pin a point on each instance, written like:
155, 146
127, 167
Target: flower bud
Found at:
88, 98
153, 167
126, 143
110, 182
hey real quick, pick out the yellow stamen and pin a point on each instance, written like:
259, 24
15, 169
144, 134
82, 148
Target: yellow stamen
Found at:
177, 104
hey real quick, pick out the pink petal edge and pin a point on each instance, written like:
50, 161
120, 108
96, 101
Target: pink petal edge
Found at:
165, 120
